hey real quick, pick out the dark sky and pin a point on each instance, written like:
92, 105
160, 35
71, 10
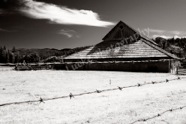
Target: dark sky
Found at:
72, 23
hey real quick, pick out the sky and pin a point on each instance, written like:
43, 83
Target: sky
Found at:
75, 23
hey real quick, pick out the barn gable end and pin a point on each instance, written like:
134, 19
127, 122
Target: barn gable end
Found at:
119, 32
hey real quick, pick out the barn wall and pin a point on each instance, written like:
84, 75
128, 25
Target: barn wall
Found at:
133, 67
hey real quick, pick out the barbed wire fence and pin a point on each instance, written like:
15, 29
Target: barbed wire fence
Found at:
43, 100
71, 95
159, 114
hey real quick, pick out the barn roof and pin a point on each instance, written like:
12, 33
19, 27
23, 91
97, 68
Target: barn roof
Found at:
123, 42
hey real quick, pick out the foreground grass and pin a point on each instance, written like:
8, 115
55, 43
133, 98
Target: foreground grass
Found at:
121, 107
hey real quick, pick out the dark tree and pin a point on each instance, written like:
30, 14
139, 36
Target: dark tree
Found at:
13, 49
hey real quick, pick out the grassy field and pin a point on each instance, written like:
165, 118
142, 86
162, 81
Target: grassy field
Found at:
114, 107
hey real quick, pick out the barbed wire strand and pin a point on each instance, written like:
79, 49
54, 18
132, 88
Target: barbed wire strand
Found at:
41, 100
158, 115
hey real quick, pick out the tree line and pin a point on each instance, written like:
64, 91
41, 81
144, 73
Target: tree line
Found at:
19, 55
175, 46
13, 56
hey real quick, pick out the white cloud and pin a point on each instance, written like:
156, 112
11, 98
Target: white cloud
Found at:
176, 36
5, 30
68, 33
156, 31
62, 15
163, 36
2, 29
166, 34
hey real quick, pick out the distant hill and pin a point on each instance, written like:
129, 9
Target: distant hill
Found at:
17, 55
43, 53
47, 52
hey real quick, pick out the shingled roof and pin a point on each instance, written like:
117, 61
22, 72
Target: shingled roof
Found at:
123, 42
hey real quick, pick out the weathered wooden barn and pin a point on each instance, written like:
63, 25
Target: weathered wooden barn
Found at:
124, 49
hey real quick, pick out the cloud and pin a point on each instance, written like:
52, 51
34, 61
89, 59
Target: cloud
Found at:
176, 36
166, 34
156, 31
2, 29
68, 33
62, 15
163, 36
5, 30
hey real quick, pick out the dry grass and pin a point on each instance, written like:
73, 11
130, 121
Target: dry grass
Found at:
121, 107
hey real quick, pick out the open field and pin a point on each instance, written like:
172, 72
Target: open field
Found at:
114, 107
